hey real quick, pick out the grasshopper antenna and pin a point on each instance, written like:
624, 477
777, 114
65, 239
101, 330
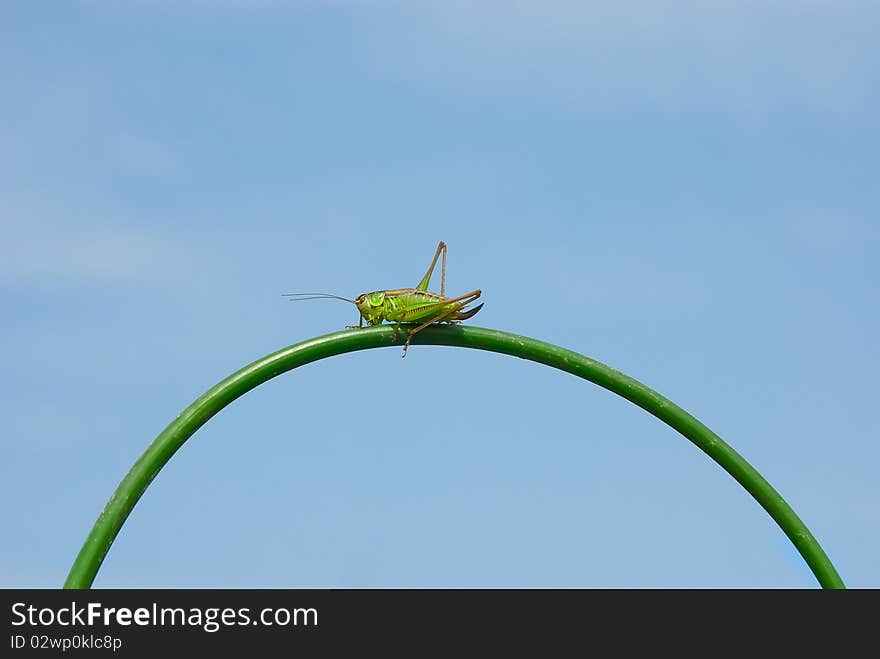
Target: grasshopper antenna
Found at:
296, 297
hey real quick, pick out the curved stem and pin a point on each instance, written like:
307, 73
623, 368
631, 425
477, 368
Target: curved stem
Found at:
89, 559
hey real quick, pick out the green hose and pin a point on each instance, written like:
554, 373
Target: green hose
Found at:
111, 519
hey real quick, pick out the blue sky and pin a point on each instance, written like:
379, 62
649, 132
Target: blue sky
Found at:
686, 193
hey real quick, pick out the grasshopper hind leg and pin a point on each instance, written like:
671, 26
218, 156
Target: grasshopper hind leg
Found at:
452, 316
426, 280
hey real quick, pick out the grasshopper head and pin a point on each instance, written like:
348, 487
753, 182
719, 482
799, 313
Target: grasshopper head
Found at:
370, 305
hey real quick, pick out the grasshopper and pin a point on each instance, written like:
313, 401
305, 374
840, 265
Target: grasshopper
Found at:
409, 305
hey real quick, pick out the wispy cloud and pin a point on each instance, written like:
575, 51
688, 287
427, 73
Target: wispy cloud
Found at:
32, 248
748, 57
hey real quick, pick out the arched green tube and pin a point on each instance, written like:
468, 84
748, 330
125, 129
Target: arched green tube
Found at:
90, 557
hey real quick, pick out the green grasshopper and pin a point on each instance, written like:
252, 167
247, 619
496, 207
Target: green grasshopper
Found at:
408, 305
